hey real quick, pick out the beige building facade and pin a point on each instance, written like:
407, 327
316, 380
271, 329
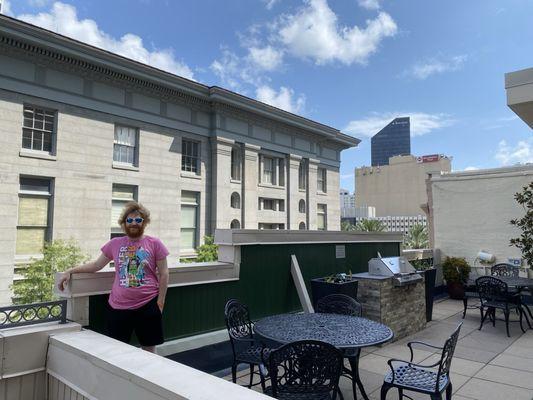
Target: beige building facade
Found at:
398, 189
470, 212
83, 131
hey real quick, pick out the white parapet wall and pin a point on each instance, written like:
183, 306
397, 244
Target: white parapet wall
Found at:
98, 367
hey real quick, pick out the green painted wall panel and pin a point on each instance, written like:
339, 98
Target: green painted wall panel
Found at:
265, 285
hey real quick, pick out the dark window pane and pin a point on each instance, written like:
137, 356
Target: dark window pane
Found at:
26, 138
47, 142
37, 140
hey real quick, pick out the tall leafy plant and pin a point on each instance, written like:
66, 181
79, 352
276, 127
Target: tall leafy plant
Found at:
370, 225
38, 277
417, 237
525, 224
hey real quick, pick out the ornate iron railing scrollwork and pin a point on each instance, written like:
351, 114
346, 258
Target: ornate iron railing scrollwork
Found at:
29, 314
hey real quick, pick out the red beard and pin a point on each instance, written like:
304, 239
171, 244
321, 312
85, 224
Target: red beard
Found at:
134, 231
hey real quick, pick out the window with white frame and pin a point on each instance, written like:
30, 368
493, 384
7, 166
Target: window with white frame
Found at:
271, 204
302, 175
33, 225
120, 195
38, 129
271, 226
125, 145
321, 217
190, 156
236, 163
189, 220
322, 180
272, 170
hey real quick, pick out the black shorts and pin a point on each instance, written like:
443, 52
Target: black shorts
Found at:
145, 321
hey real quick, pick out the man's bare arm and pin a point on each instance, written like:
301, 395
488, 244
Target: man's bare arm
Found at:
162, 268
92, 266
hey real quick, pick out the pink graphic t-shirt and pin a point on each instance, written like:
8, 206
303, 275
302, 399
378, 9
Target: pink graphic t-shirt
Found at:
136, 281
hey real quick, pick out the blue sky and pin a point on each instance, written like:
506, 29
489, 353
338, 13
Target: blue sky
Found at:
351, 64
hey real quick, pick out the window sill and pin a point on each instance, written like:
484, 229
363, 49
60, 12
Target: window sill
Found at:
266, 185
190, 175
321, 193
302, 190
43, 155
235, 181
126, 167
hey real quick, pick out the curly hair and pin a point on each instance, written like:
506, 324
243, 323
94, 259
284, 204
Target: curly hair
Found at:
134, 207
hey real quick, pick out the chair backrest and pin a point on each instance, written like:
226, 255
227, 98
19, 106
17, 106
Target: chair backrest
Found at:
504, 270
238, 320
305, 367
339, 304
491, 288
447, 355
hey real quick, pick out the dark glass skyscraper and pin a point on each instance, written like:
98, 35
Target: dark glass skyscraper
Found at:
393, 140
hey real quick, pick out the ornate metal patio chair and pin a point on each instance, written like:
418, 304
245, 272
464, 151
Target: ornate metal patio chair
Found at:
246, 349
504, 270
427, 379
339, 304
344, 305
306, 370
494, 294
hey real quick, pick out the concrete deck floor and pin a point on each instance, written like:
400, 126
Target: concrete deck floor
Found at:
487, 364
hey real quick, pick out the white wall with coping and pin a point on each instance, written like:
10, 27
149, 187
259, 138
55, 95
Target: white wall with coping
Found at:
99, 367
470, 211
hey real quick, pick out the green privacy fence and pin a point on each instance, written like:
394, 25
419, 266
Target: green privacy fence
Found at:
265, 285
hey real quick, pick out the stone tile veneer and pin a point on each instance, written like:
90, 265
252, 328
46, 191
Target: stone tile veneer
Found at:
403, 308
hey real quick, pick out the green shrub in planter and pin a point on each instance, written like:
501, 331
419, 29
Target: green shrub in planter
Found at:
456, 271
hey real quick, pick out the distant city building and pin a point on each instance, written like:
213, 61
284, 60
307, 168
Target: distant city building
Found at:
402, 223
398, 189
347, 199
393, 140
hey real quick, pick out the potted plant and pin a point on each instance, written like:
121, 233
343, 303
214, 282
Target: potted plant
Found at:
456, 271
425, 268
334, 284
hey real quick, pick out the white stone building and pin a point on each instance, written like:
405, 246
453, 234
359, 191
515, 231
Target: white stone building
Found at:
83, 130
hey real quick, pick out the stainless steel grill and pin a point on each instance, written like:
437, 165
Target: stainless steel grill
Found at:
402, 272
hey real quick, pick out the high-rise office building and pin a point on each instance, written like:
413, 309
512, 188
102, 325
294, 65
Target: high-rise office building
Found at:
393, 140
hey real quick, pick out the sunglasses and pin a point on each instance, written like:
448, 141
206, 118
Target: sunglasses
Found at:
138, 220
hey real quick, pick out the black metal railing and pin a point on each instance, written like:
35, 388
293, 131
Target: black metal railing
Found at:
29, 314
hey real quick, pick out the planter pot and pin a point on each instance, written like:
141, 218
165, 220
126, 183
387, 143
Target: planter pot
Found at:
320, 288
429, 281
456, 290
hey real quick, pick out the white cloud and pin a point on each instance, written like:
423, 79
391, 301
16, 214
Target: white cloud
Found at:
283, 99
471, 168
267, 58
347, 176
63, 19
421, 123
5, 7
229, 71
270, 3
521, 153
38, 3
425, 69
369, 4
314, 33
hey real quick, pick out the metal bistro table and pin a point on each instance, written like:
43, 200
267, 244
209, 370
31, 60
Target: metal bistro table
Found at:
347, 333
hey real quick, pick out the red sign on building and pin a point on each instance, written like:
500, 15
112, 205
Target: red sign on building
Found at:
428, 158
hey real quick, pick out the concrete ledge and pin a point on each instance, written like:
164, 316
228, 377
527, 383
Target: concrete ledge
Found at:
192, 342
104, 368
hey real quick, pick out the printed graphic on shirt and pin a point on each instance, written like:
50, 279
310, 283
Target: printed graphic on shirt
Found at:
133, 261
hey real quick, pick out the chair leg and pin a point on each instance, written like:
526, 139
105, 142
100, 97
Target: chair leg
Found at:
234, 372
465, 303
521, 313
400, 393
506, 313
252, 367
483, 316
384, 389
449, 392
493, 317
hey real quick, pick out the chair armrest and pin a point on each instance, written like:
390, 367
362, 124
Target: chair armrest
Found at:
411, 364
410, 345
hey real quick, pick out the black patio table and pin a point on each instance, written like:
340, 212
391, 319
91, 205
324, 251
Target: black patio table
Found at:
345, 332
520, 283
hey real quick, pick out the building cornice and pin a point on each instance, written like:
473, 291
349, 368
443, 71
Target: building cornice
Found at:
49, 48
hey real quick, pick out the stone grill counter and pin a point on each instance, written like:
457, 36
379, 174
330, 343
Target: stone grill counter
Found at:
402, 308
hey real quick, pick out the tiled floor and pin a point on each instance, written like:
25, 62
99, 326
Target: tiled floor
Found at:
487, 364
